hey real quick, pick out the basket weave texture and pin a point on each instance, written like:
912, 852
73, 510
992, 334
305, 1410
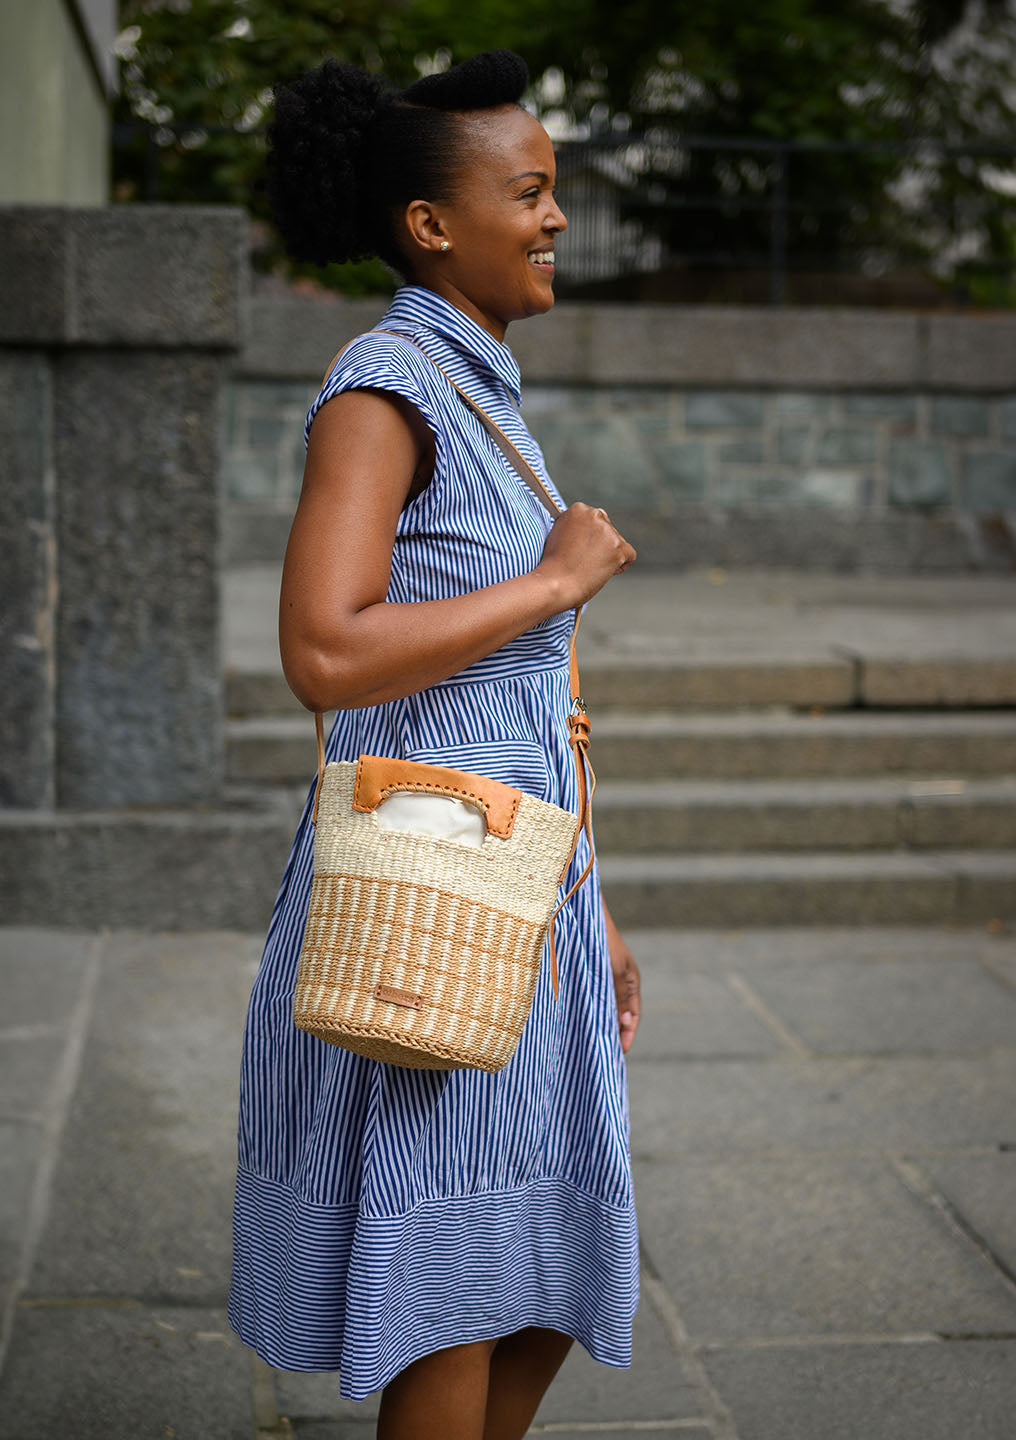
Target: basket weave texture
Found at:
456, 931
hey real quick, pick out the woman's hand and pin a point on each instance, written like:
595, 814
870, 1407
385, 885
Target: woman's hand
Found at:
627, 982
582, 552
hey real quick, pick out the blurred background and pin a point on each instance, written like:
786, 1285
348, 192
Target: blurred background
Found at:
785, 285
860, 152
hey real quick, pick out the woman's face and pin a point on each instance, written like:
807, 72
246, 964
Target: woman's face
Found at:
500, 229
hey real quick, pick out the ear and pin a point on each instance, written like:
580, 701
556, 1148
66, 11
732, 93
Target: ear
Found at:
427, 227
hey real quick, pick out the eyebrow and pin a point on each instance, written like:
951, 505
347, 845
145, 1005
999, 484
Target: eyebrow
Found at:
526, 174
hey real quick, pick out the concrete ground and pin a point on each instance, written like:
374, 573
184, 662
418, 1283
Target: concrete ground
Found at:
824, 1143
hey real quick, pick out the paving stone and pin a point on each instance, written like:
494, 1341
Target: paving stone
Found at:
306, 1397
722, 409
983, 1190
687, 1015
915, 1006
769, 1246
875, 1103
653, 1388
41, 973
21, 1146
28, 1064
934, 1391
142, 1197
1003, 966
94, 1372
959, 415
683, 1432
325, 1430
989, 480
918, 474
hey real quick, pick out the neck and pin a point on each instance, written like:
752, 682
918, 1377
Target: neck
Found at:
450, 292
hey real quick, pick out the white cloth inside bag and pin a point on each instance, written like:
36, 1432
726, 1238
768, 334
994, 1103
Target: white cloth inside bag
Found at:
440, 815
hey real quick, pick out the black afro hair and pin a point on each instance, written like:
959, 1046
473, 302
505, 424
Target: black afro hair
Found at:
346, 152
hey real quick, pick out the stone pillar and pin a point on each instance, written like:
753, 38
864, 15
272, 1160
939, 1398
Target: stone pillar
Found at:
117, 328
28, 581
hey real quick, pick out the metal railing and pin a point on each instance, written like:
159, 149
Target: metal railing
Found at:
755, 200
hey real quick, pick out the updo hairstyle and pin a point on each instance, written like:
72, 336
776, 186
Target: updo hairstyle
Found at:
347, 155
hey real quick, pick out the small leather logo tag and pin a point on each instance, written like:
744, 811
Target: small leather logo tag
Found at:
397, 997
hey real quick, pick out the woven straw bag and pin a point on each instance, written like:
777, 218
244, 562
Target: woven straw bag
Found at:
423, 951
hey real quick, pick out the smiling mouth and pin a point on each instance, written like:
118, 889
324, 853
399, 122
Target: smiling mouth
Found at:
542, 257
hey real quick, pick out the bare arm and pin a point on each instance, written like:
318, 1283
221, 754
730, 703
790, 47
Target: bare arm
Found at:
342, 644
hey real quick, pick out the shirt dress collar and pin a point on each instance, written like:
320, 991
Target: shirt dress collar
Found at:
414, 304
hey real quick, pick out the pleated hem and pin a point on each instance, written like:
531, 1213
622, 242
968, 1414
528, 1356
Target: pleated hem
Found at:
319, 1287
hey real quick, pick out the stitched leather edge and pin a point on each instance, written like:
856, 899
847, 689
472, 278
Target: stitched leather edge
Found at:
378, 776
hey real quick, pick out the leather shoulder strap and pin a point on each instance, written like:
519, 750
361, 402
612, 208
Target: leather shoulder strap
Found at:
511, 452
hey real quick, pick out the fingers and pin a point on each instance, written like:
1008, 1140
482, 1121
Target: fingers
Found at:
628, 551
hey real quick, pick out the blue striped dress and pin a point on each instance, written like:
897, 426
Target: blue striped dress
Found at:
382, 1213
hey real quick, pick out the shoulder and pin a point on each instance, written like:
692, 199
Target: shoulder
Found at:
382, 353
381, 360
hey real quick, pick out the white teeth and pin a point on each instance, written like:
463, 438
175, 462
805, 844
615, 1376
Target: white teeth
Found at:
546, 258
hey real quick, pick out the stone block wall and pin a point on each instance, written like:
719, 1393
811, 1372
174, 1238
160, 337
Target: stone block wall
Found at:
116, 333
810, 438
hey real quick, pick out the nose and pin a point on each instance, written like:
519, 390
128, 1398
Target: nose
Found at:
556, 218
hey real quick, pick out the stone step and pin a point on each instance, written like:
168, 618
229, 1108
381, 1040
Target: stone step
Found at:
221, 869
691, 816
673, 684
716, 816
821, 888
741, 745
829, 682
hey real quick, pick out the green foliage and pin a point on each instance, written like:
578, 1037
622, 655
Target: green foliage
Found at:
201, 72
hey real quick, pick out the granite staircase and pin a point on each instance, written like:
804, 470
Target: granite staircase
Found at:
824, 790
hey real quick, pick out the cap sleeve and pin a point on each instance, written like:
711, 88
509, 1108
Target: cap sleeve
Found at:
379, 361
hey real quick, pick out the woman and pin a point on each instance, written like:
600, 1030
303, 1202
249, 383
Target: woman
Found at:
443, 1235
